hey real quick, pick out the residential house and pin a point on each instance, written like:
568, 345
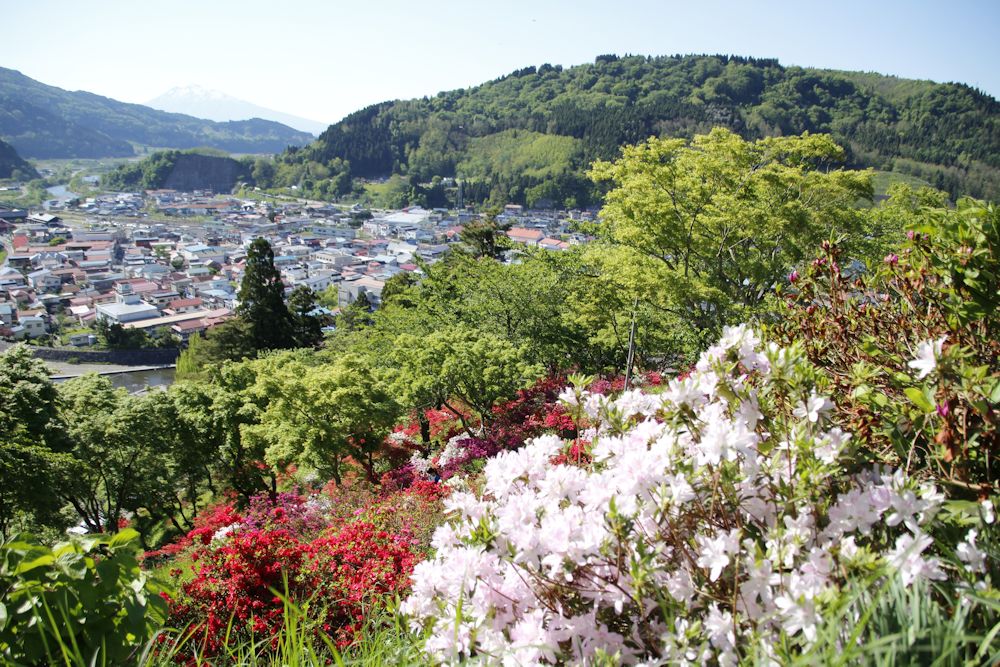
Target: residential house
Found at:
351, 288
529, 237
127, 307
31, 326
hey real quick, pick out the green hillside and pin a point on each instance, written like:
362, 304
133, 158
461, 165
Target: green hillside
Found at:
13, 165
945, 134
43, 121
179, 170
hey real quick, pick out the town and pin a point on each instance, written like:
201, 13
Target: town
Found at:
78, 264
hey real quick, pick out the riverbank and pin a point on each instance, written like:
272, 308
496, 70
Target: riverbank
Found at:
64, 371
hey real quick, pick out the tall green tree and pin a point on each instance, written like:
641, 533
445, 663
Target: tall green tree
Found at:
485, 235
33, 459
307, 330
323, 415
122, 446
262, 300
457, 362
716, 222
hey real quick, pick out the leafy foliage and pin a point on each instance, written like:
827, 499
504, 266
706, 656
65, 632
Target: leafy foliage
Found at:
33, 448
941, 288
86, 598
724, 219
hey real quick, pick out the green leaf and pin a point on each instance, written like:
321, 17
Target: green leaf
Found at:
3, 616
995, 393
123, 537
918, 397
40, 561
861, 391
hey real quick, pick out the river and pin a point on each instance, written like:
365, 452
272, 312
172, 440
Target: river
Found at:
62, 192
135, 381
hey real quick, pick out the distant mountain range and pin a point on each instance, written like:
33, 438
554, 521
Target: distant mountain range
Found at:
219, 106
531, 135
43, 121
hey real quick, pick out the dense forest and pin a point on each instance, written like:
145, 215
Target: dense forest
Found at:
13, 165
43, 121
529, 136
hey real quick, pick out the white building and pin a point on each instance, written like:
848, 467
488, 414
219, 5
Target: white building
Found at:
128, 307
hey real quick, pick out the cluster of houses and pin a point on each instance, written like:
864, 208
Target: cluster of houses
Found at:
181, 278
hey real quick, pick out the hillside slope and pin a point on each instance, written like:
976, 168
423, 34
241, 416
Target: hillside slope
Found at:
13, 165
178, 170
947, 134
43, 121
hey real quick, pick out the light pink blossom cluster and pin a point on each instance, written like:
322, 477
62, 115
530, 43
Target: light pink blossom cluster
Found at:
714, 520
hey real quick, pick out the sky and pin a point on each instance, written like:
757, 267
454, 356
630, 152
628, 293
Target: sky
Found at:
322, 59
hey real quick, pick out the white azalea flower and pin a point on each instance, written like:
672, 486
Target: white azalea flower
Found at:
714, 551
906, 558
814, 408
969, 553
928, 352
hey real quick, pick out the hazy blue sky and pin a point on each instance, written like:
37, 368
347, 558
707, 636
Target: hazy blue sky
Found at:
324, 59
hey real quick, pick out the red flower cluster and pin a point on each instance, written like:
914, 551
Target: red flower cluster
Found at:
238, 585
206, 524
340, 563
578, 454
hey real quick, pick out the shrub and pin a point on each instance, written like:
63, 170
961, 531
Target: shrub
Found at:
719, 520
911, 348
84, 601
335, 559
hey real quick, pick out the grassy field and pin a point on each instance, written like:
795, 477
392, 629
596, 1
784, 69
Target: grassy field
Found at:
883, 179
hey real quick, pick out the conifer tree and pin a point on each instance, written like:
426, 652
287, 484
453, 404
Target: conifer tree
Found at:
307, 328
262, 300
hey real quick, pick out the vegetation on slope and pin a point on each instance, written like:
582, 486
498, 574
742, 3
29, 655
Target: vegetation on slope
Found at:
13, 165
179, 170
946, 134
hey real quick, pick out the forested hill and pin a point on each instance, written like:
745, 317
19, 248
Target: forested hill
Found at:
13, 166
43, 121
179, 170
532, 133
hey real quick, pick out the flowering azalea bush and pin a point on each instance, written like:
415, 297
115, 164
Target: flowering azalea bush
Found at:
718, 520
533, 412
911, 346
339, 563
